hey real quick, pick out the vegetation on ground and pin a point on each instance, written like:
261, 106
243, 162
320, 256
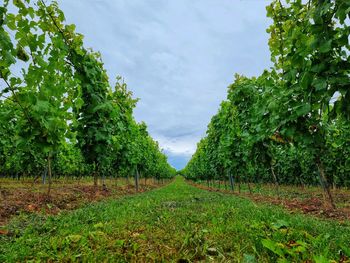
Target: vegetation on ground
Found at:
307, 200
25, 196
175, 223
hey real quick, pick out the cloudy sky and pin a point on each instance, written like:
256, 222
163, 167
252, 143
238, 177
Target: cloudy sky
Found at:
177, 56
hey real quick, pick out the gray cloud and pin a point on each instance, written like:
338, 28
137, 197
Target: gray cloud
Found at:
177, 56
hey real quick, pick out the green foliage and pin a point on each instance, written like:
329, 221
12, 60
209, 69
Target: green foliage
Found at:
62, 107
282, 127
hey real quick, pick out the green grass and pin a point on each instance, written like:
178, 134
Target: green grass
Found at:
175, 223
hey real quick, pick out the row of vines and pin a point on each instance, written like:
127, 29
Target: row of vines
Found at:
291, 125
59, 114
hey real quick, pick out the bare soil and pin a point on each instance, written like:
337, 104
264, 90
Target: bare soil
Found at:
311, 203
32, 198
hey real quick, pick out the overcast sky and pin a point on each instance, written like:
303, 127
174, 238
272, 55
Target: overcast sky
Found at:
177, 56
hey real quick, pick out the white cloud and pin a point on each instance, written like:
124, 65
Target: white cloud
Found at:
177, 56
184, 146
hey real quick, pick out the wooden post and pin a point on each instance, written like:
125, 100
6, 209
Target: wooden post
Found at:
275, 179
137, 180
324, 182
250, 189
49, 173
43, 176
104, 186
232, 184
95, 177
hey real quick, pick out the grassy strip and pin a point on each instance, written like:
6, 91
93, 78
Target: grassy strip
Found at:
176, 222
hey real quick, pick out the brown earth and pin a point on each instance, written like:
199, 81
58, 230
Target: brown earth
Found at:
34, 199
312, 205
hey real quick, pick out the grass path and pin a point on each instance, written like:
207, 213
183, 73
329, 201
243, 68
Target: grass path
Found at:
176, 223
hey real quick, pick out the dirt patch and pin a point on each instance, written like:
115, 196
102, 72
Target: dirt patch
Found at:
314, 205
33, 199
